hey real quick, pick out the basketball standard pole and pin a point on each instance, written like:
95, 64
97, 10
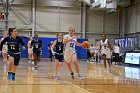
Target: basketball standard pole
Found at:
83, 20
6, 13
33, 17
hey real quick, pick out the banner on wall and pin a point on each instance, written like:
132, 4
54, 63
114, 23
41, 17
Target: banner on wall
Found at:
129, 42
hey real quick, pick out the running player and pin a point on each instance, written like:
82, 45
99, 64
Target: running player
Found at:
37, 46
96, 50
70, 53
105, 49
59, 58
30, 50
4, 50
13, 42
92, 53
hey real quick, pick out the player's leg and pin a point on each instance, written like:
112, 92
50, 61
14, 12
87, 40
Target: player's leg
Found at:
38, 57
32, 59
60, 61
14, 67
108, 57
56, 66
95, 57
35, 61
29, 55
4, 54
10, 68
104, 59
70, 69
75, 61
67, 58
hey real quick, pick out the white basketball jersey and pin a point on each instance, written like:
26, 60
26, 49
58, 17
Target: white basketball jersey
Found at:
116, 49
70, 46
96, 49
30, 45
104, 47
91, 49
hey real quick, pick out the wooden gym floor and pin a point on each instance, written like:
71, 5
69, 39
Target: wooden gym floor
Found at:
122, 79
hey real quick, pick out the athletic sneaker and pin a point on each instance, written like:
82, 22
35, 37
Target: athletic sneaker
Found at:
9, 77
56, 75
29, 61
35, 68
33, 62
79, 77
72, 75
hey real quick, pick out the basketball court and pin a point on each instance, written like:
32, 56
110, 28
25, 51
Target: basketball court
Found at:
96, 79
118, 19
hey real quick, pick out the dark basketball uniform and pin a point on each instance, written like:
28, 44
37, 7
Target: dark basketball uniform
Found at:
59, 51
36, 47
13, 47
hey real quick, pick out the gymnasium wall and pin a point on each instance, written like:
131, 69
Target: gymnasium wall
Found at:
50, 21
133, 21
21, 14
98, 22
55, 20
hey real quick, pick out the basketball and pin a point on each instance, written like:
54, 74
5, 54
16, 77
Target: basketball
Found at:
86, 44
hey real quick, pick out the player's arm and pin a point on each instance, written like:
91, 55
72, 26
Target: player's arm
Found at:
2, 43
22, 43
66, 40
78, 44
29, 44
109, 45
32, 43
100, 47
52, 46
41, 45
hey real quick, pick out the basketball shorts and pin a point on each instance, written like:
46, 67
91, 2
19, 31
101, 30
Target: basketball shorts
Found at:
30, 50
68, 56
60, 58
16, 58
37, 52
106, 53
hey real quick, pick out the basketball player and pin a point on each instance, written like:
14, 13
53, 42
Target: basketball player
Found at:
105, 50
70, 53
4, 50
37, 46
30, 50
49, 48
59, 58
116, 53
92, 53
13, 42
96, 50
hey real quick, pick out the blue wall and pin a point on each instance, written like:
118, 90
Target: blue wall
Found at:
81, 53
